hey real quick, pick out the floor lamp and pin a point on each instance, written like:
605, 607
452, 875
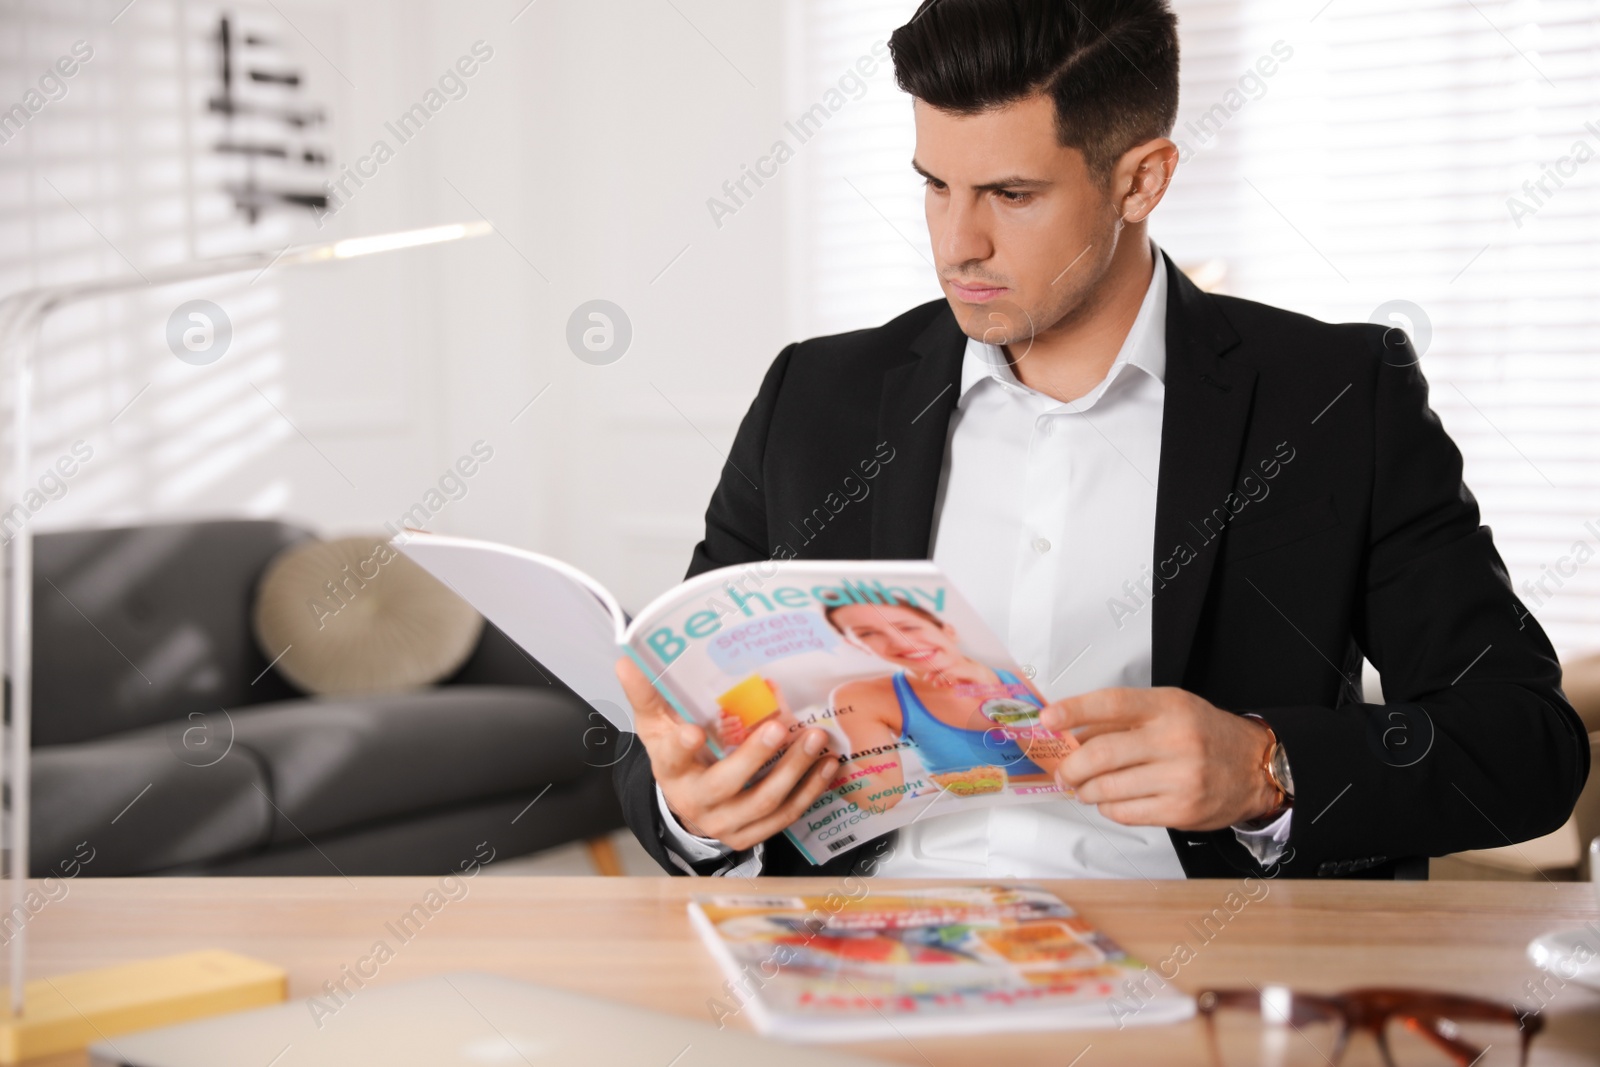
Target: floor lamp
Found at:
21, 317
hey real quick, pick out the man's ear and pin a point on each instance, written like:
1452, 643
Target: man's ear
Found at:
1142, 176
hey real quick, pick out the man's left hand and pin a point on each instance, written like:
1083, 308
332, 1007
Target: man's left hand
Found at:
1163, 757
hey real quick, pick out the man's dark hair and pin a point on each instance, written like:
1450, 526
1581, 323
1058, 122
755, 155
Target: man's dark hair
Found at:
1111, 66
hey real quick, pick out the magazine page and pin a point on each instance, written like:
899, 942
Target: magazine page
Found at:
842, 967
558, 615
922, 703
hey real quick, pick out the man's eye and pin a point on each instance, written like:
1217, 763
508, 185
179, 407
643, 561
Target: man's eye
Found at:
1011, 197
936, 186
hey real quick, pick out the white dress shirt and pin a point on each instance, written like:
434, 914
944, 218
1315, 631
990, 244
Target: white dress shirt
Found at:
1045, 518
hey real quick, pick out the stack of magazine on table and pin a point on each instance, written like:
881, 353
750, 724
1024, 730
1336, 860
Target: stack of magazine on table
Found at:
855, 967
922, 704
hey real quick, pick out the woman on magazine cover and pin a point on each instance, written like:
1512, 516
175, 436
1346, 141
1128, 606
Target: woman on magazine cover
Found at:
971, 724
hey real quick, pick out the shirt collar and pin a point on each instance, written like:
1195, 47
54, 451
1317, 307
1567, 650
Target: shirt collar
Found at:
1145, 346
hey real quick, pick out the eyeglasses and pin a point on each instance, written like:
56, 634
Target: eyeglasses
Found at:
1277, 1027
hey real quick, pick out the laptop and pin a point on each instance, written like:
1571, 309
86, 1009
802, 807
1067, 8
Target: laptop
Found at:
454, 1020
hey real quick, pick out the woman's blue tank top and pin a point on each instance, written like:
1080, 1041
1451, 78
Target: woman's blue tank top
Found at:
945, 748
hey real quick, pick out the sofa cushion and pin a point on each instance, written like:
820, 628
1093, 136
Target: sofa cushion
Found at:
353, 615
339, 762
146, 624
138, 805
436, 843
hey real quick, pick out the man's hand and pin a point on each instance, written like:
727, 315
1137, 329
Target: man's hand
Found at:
710, 798
1163, 757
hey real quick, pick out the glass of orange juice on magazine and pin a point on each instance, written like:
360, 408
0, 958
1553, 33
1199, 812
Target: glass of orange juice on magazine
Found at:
752, 701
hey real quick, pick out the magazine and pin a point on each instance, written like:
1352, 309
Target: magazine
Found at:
920, 701
954, 960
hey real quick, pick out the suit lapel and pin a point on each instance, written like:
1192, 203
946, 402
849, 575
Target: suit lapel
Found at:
1204, 417
914, 419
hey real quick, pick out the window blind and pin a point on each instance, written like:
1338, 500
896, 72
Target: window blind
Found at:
1434, 164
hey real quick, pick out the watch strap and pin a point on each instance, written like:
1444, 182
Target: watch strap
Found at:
1285, 799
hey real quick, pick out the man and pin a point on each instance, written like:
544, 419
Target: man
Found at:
1188, 516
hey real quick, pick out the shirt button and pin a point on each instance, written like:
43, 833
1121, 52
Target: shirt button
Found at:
1041, 544
1027, 669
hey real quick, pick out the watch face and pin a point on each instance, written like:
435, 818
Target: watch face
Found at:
1280, 770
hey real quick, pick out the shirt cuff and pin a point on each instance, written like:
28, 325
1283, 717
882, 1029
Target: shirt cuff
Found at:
1268, 843
686, 849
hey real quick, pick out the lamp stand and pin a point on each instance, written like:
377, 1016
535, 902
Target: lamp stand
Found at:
69, 1011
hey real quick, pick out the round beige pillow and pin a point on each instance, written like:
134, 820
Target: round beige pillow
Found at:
356, 616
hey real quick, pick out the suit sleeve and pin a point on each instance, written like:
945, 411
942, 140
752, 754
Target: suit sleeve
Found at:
736, 520
1477, 746
736, 532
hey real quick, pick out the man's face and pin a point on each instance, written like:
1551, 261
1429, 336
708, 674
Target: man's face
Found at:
1022, 231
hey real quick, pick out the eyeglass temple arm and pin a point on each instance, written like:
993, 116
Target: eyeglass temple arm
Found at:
1464, 1054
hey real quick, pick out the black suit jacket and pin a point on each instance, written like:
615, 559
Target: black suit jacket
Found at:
1309, 510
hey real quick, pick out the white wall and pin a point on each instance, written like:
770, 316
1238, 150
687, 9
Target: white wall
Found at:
591, 138
595, 154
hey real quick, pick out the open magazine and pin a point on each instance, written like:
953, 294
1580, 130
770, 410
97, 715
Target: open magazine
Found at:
954, 960
920, 701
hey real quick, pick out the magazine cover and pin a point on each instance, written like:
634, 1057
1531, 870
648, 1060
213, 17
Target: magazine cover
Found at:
931, 961
922, 703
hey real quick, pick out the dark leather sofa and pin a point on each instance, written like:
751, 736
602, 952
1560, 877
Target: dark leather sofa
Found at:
164, 743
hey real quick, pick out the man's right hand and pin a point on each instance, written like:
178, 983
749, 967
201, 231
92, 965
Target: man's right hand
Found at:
710, 798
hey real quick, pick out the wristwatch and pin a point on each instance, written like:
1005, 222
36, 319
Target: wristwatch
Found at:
1276, 766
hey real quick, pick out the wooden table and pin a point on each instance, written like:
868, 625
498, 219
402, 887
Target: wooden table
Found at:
629, 939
